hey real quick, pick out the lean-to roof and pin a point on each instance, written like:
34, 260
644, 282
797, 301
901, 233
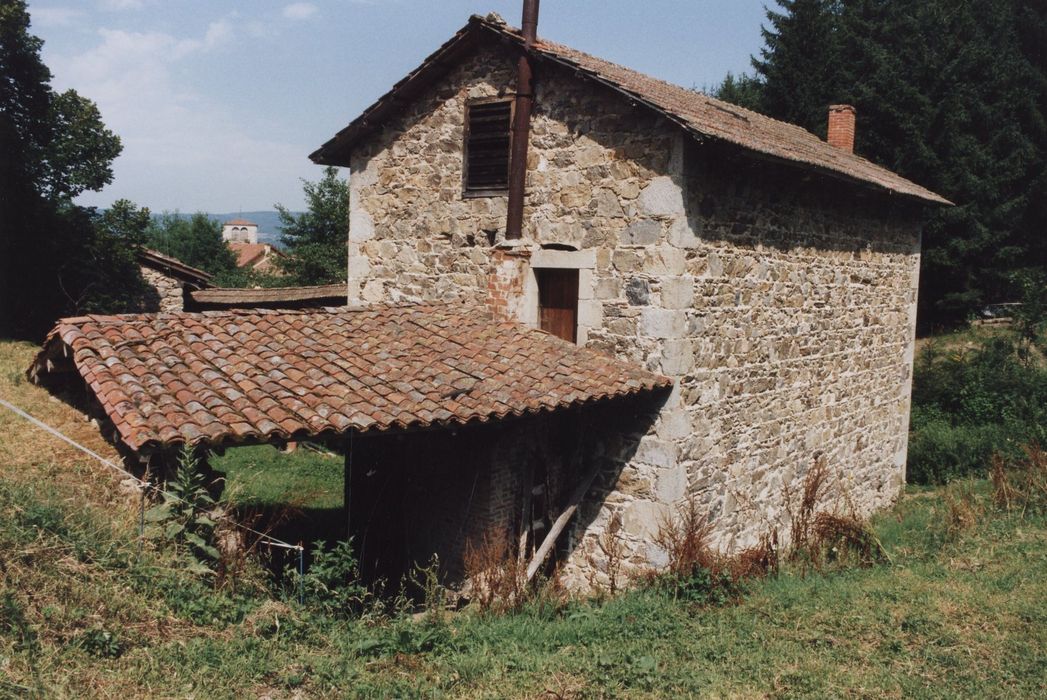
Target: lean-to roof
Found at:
235, 377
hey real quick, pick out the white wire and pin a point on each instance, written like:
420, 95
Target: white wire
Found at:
141, 482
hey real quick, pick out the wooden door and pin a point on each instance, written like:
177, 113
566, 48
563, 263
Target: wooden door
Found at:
558, 302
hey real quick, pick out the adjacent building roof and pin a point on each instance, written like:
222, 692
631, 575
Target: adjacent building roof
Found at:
700, 115
238, 377
269, 298
254, 255
173, 267
239, 222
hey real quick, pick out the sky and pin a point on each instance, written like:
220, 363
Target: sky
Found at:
219, 103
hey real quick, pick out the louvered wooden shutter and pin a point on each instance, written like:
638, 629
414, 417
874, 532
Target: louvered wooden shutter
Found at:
488, 126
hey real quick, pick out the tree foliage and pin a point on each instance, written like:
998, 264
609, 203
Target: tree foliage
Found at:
53, 146
196, 241
743, 90
116, 235
315, 240
951, 94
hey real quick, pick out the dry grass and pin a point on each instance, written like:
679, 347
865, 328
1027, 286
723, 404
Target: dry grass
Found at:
686, 542
822, 535
28, 454
962, 510
497, 578
802, 518
612, 547
1023, 486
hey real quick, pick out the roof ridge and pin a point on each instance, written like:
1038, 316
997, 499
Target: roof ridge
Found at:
698, 114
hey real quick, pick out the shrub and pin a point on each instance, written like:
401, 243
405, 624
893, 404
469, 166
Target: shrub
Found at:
971, 404
332, 585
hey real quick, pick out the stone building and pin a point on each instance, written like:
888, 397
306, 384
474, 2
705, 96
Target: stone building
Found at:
725, 299
171, 279
240, 231
770, 275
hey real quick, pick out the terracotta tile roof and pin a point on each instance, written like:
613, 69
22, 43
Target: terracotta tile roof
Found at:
240, 377
252, 254
274, 297
173, 267
239, 222
700, 115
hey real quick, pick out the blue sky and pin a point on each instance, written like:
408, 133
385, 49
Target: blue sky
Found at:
219, 103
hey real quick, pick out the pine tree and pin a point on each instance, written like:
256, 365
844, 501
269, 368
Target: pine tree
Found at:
743, 90
798, 65
951, 94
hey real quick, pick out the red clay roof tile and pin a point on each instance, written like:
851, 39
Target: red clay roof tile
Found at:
224, 377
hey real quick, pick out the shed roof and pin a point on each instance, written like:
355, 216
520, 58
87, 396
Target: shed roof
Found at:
173, 267
701, 116
272, 297
246, 376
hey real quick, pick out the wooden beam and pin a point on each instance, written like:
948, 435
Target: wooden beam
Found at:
558, 526
347, 477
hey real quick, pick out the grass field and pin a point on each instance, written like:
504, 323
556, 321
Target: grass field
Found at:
960, 612
265, 476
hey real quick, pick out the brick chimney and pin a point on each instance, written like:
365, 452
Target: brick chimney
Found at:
841, 127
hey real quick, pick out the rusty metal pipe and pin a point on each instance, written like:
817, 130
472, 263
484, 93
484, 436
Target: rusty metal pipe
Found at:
529, 23
521, 122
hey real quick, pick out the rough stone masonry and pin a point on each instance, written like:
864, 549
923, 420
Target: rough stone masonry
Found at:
782, 303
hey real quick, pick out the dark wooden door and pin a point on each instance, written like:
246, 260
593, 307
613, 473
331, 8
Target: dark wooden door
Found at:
558, 302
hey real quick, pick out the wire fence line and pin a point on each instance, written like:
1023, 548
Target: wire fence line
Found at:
143, 484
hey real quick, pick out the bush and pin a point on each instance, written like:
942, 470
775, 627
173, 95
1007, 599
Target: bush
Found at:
331, 585
970, 405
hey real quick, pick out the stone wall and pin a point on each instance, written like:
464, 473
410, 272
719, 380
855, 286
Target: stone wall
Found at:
168, 291
781, 303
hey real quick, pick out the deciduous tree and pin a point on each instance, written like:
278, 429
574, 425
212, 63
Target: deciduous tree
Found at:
52, 147
316, 239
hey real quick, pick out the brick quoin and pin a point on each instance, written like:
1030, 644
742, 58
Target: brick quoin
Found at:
505, 281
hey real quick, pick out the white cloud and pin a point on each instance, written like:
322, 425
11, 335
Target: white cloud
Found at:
182, 149
218, 33
299, 10
118, 5
53, 16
